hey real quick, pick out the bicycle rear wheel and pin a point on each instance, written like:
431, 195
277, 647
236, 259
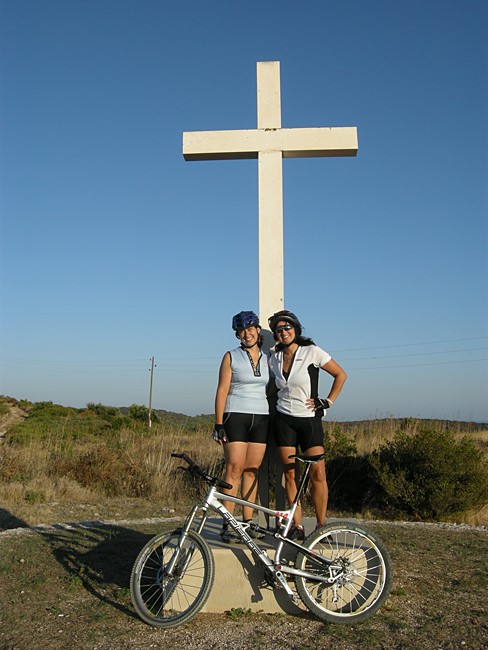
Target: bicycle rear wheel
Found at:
359, 580
164, 600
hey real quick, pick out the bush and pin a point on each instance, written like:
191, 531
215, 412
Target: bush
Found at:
140, 412
49, 422
102, 410
429, 475
105, 470
346, 472
337, 444
351, 487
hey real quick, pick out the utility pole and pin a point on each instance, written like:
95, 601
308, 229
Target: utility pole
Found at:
150, 391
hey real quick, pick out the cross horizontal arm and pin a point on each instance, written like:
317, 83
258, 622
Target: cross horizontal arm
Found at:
293, 143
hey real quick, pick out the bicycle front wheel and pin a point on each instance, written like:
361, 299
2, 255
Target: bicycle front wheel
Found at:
164, 600
356, 583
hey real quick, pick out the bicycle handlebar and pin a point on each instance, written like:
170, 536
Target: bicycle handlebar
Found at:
196, 470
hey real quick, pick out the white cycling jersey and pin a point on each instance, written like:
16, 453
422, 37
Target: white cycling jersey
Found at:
303, 379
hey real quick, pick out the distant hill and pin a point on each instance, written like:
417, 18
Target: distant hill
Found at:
405, 423
177, 419
11, 408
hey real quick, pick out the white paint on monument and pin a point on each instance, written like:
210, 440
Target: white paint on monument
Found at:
269, 143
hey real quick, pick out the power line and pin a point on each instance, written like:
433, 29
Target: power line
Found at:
401, 345
416, 354
419, 365
169, 365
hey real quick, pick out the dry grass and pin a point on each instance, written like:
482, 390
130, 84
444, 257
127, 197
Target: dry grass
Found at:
372, 434
76, 465
53, 474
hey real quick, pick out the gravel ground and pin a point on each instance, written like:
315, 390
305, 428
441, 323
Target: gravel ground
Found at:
65, 595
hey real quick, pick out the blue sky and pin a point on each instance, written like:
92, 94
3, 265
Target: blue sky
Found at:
114, 249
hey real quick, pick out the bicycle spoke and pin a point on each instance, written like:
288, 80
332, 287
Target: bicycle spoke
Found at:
165, 600
360, 574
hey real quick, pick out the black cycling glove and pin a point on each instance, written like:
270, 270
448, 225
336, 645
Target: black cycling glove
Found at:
218, 433
322, 403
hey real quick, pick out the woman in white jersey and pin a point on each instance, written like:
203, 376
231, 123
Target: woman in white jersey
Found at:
242, 414
295, 366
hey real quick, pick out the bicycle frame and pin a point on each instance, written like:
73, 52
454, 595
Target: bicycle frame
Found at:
213, 503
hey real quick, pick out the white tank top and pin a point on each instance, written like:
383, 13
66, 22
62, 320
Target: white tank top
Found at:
247, 392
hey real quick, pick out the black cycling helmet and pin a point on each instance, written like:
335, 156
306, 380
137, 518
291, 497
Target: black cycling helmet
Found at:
287, 316
244, 319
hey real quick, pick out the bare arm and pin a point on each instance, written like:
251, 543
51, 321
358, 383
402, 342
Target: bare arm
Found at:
339, 375
225, 375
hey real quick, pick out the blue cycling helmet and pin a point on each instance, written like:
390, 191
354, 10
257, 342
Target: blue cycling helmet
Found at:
244, 319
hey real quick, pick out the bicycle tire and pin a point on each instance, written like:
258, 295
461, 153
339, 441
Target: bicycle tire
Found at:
366, 574
167, 601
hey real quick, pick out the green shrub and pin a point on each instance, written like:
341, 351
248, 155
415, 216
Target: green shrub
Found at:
429, 475
346, 472
49, 421
351, 487
140, 412
110, 415
102, 410
337, 444
34, 496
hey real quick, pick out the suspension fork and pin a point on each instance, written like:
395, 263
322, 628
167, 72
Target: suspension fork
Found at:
188, 525
190, 520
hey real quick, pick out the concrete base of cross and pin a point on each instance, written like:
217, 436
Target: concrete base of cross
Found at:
239, 583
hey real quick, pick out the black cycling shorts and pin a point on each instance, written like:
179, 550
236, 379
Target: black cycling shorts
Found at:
290, 431
246, 427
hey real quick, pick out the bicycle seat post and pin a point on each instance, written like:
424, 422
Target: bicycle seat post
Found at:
303, 480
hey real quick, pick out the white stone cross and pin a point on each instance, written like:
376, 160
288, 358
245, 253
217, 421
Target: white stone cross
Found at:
269, 143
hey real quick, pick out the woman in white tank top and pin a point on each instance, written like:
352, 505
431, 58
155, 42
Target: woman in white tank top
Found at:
241, 414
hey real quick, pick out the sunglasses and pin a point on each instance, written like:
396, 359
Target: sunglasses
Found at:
282, 328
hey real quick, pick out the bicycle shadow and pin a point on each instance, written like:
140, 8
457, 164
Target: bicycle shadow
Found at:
242, 579
9, 521
99, 557
257, 581
95, 555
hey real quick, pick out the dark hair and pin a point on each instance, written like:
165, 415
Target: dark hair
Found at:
300, 340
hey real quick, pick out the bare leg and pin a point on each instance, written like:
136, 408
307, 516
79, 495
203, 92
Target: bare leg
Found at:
254, 458
235, 458
290, 479
320, 491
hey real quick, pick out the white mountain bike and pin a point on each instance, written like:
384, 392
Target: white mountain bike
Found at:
342, 572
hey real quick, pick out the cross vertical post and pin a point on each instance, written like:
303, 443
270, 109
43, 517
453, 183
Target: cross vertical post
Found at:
270, 195
270, 143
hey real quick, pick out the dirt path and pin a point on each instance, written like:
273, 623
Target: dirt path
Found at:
15, 415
